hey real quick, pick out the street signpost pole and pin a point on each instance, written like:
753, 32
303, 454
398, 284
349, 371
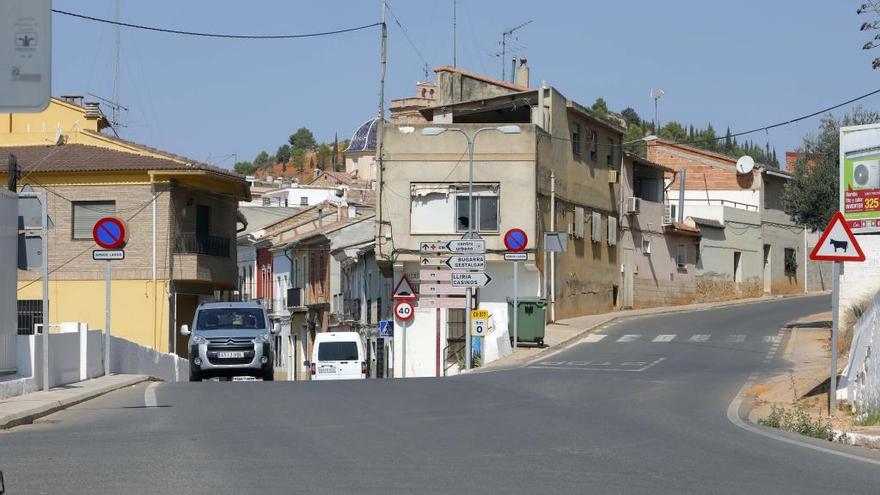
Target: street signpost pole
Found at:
44, 247
515, 303
835, 313
107, 318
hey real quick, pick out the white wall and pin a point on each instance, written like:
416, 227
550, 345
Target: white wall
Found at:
746, 197
131, 358
294, 196
861, 280
8, 277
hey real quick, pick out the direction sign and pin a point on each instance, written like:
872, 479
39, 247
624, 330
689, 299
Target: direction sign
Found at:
108, 254
467, 262
470, 279
516, 240
429, 290
467, 246
433, 247
109, 233
431, 261
443, 303
837, 243
516, 256
403, 310
434, 276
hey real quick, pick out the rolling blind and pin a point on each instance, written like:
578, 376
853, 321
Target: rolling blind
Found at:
86, 213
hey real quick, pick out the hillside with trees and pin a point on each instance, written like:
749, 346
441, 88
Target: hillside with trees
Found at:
296, 158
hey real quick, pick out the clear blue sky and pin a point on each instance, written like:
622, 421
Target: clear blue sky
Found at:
734, 64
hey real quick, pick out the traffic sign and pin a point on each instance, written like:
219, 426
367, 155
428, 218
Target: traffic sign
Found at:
404, 291
443, 303
433, 247
480, 313
479, 327
516, 256
516, 240
467, 262
403, 310
837, 243
386, 328
435, 276
429, 290
25, 55
470, 279
108, 254
467, 246
109, 233
431, 261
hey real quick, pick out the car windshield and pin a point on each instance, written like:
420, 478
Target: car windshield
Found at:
337, 351
226, 318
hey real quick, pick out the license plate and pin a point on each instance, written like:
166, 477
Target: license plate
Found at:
230, 354
243, 379
327, 368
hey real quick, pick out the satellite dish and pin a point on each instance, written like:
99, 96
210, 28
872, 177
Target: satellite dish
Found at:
745, 164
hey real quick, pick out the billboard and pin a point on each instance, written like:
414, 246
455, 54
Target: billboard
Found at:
860, 177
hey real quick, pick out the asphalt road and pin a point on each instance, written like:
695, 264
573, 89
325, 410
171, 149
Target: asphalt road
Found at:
636, 411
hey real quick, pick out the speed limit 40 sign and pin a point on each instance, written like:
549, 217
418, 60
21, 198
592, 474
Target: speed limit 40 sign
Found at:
404, 310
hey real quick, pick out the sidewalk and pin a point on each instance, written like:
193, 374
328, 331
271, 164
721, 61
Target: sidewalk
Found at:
563, 332
24, 409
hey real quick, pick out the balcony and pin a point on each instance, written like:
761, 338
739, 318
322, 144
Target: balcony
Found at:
193, 243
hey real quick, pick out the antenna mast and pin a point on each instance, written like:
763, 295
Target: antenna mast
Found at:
454, 34
504, 36
114, 108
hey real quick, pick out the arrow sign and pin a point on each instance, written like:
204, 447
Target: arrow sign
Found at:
433, 247
431, 261
837, 243
428, 275
467, 262
470, 279
467, 246
429, 290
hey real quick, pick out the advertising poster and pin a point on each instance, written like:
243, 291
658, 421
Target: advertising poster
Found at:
860, 177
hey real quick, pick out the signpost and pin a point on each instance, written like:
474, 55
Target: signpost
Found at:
836, 244
469, 279
860, 177
109, 233
516, 240
471, 262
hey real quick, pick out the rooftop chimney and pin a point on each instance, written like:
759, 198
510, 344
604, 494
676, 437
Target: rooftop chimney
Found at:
522, 74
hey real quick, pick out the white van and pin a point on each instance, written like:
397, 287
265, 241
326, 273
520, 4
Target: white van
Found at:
338, 356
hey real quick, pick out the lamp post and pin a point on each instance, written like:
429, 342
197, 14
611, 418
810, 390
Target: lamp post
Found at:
436, 131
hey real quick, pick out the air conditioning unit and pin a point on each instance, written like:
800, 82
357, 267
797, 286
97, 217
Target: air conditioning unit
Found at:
612, 176
633, 206
668, 213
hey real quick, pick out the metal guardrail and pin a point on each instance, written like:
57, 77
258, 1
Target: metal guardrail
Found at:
720, 202
194, 243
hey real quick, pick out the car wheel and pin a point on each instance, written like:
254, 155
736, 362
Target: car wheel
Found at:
269, 376
194, 375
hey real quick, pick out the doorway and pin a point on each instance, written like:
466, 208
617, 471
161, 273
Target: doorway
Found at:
737, 266
627, 279
767, 273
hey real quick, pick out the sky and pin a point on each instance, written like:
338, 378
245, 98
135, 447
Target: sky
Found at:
738, 64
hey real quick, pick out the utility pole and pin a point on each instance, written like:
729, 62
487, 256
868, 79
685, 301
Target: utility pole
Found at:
504, 36
454, 34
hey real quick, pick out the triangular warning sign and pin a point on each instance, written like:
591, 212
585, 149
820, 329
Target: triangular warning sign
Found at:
837, 243
404, 291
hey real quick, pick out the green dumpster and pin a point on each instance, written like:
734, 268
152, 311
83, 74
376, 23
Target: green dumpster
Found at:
532, 316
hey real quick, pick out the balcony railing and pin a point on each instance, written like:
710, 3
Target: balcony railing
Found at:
718, 202
193, 243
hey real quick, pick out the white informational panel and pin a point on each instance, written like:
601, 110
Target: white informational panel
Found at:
860, 177
25, 55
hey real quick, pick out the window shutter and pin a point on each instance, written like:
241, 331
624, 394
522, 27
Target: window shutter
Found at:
579, 222
612, 231
86, 213
596, 234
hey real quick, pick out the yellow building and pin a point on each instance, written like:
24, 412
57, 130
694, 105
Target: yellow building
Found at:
181, 215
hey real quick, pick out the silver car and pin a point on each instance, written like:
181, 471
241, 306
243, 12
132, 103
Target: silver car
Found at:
230, 339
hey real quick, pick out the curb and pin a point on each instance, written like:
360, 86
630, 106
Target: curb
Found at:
857, 439
45, 407
670, 310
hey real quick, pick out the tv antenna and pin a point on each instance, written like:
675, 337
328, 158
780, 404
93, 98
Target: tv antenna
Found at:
504, 37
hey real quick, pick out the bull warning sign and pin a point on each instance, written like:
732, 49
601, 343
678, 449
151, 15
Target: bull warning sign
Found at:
837, 243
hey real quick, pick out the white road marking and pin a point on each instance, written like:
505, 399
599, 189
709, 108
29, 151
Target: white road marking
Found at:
629, 338
772, 338
664, 338
582, 365
593, 337
736, 339
699, 338
150, 395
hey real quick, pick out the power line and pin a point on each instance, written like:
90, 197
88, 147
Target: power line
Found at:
408, 39
218, 35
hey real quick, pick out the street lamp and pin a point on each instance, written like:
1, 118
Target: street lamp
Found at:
436, 131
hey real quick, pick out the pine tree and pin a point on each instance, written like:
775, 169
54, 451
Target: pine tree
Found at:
728, 143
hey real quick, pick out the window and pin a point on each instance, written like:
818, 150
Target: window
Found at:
304, 201
267, 201
30, 314
369, 311
231, 318
646, 246
596, 231
337, 351
791, 264
456, 320
594, 145
86, 213
681, 255
612, 231
485, 209
576, 139
610, 155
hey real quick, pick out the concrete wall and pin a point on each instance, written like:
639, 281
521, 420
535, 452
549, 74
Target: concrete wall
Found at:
130, 358
73, 357
8, 262
861, 382
716, 278
860, 281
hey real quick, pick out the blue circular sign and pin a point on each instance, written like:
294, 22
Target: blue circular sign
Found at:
109, 233
516, 240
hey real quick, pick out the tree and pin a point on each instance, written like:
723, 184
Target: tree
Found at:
297, 157
245, 168
728, 142
673, 131
631, 117
302, 139
262, 159
600, 108
636, 146
324, 153
282, 156
811, 196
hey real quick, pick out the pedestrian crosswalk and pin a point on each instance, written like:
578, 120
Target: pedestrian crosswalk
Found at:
700, 338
